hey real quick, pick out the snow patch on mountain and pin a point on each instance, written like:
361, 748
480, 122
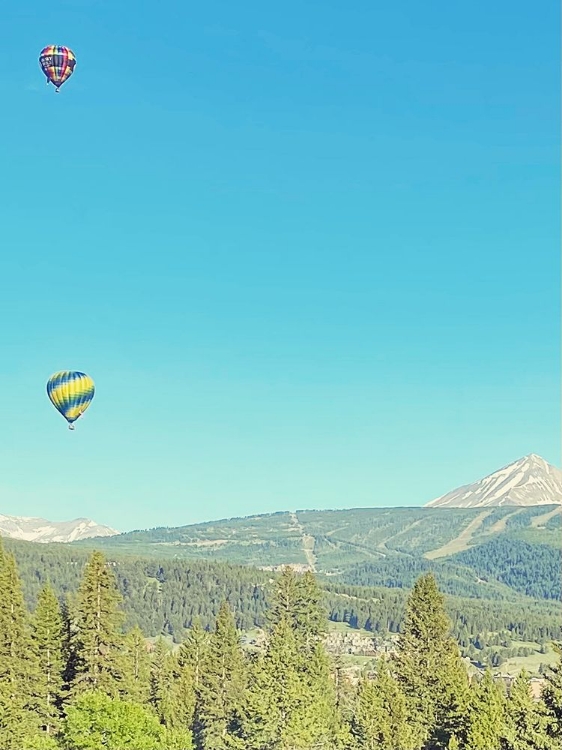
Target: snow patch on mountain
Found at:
40, 530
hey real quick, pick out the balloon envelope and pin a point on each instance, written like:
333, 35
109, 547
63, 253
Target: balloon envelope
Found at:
71, 393
57, 63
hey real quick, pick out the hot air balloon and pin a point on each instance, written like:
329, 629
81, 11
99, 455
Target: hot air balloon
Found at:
57, 63
71, 393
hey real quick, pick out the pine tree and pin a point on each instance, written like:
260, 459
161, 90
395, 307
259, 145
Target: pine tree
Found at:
135, 667
161, 679
552, 700
275, 694
291, 701
98, 639
310, 616
524, 726
221, 691
47, 639
298, 600
182, 696
284, 598
486, 716
429, 667
18, 669
381, 719
321, 722
70, 645
194, 650
344, 691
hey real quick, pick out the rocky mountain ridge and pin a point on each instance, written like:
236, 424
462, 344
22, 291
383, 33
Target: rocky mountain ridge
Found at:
41, 530
529, 481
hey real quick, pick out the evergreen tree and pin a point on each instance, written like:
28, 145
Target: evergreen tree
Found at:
284, 598
345, 693
18, 669
486, 716
48, 646
182, 696
291, 701
524, 726
135, 667
298, 600
429, 667
172, 694
70, 645
310, 613
98, 638
552, 700
221, 691
194, 650
276, 693
320, 721
161, 679
381, 720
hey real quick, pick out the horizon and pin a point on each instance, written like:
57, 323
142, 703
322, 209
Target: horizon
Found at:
309, 263
281, 511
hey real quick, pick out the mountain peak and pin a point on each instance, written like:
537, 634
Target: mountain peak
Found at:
528, 481
41, 530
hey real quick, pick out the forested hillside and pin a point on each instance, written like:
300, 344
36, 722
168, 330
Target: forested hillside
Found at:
73, 677
493, 570
165, 596
345, 534
491, 553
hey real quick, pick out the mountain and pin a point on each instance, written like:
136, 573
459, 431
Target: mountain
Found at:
40, 530
487, 550
530, 481
371, 546
520, 502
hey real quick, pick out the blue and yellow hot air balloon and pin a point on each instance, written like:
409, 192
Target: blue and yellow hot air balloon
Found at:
71, 393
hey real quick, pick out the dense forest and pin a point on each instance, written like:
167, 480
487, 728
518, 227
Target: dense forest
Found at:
167, 596
74, 677
530, 569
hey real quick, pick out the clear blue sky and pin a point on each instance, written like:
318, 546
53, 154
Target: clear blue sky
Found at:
308, 251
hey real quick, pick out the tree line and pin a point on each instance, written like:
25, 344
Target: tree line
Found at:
73, 678
166, 596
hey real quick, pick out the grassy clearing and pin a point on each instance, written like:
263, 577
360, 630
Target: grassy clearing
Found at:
542, 520
530, 663
461, 542
344, 627
500, 525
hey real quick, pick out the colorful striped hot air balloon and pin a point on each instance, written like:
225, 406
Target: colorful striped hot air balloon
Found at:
57, 63
71, 393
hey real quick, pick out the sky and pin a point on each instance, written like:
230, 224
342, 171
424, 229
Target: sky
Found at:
308, 252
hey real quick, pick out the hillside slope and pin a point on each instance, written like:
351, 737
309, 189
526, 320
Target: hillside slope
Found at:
374, 546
